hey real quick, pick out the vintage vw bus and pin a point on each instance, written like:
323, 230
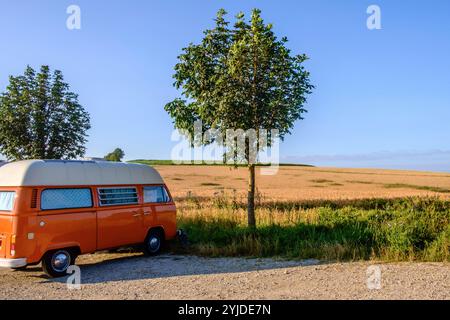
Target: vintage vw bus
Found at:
51, 211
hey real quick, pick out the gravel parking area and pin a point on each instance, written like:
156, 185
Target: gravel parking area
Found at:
132, 276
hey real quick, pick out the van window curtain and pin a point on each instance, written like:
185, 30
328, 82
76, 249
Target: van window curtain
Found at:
53, 199
7, 200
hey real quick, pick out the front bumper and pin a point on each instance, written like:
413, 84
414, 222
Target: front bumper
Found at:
13, 263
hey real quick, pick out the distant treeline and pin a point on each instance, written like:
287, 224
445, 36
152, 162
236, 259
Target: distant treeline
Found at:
171, 163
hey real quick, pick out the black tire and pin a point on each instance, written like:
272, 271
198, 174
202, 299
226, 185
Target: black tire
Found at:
55, 263
154, 242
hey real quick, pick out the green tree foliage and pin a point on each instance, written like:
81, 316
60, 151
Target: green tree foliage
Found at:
240, 77
116, 156
40, 118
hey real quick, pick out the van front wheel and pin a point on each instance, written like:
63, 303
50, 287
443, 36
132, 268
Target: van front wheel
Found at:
154, 242
55, 263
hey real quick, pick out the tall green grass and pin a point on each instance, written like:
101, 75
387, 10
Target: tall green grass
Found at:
413, 229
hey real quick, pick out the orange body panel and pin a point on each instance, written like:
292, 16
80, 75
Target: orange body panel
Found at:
31, 232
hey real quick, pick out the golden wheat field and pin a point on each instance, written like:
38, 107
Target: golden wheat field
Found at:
305, 183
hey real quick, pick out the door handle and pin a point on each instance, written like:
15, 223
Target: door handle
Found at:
146, 213
136, 214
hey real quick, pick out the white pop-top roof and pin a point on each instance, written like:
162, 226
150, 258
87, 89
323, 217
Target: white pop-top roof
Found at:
75, 173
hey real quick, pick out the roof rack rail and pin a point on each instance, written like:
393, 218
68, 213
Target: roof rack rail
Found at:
70, 161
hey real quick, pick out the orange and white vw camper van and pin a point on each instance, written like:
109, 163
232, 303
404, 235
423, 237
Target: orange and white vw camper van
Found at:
51, 211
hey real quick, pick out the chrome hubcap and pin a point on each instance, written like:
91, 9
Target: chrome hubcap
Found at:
60, 261
154, 244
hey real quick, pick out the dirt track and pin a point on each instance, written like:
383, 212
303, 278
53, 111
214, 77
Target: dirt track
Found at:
131, 276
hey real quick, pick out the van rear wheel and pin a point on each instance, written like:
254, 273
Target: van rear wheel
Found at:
154, 242
55, 263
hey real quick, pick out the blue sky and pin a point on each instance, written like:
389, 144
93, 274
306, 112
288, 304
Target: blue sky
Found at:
382, 97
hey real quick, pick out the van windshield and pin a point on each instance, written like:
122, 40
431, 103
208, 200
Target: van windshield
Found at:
7, 200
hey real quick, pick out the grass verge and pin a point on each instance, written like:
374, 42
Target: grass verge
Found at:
412, 229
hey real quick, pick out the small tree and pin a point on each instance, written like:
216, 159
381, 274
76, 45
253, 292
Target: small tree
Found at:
240, 77
116, 156
41, 119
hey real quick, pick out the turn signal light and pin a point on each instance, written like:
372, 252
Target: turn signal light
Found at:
13, 245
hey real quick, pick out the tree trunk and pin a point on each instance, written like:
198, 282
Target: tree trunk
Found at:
251, 197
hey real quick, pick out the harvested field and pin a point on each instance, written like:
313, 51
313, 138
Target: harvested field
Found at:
306, 183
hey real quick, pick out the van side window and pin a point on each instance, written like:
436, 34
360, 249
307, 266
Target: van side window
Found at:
117, 196
155, 194
7, 200
53, 199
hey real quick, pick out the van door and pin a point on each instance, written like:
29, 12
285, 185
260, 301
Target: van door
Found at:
2, 246
67, 218
159, 210
6, 219
119, 217
5, 223
5, 233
